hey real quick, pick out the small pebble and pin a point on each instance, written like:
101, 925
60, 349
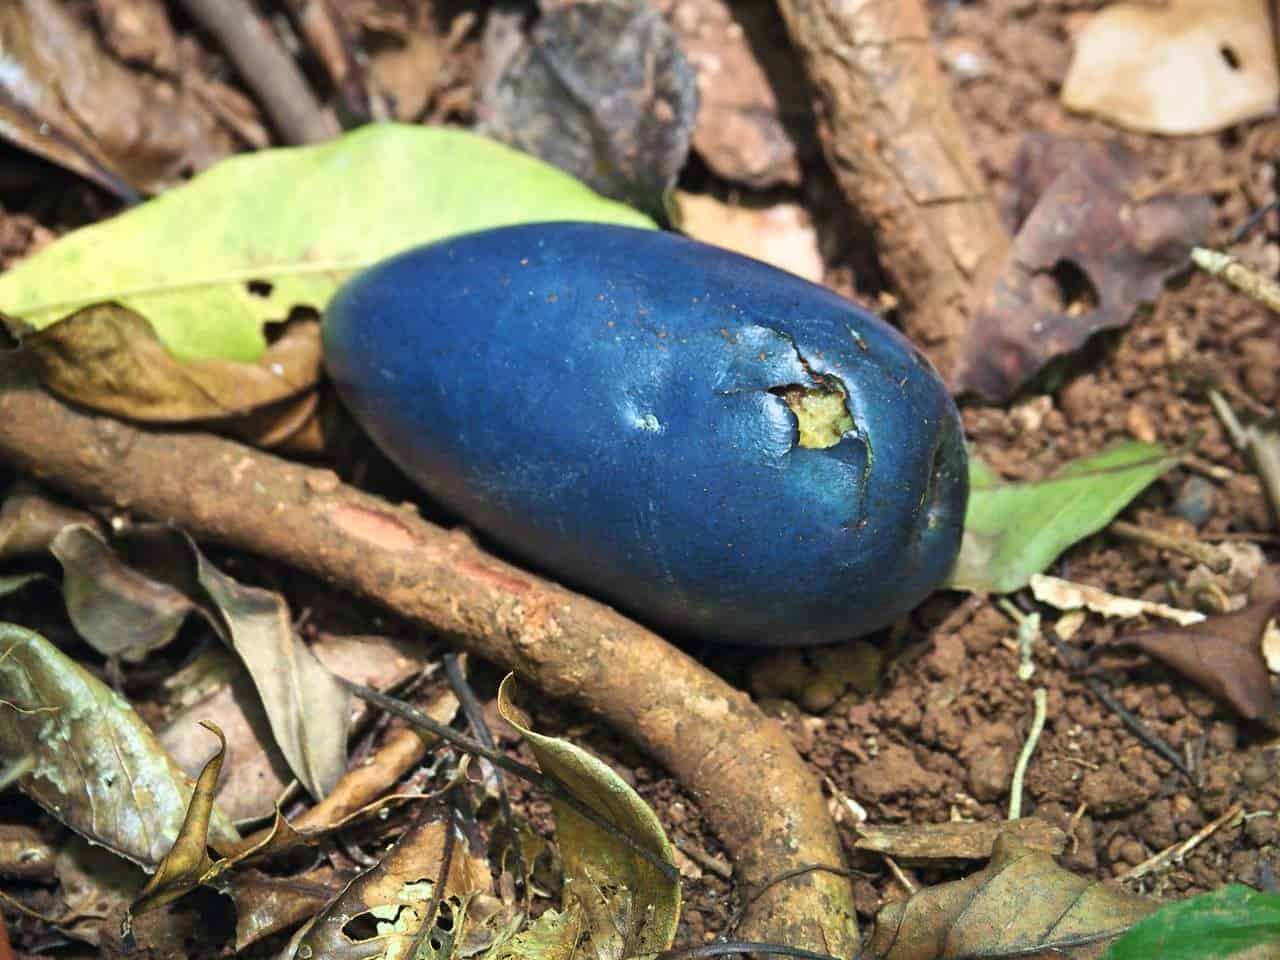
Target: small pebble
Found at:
1195, 500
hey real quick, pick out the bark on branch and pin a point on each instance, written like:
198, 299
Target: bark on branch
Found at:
902, 160
748, 780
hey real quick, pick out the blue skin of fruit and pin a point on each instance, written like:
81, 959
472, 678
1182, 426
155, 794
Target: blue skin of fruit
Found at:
598, 400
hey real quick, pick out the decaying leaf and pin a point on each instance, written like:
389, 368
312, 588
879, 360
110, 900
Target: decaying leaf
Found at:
187, 861
1021, 904
117, 610
1223, 654
556, 935
267, 905
108, 358
603, 91
1178, 67
306, 704
1014, 530
257, 771
782, 234
1234, 921
99, 769
1086, 255
64, 98
1065, 595
261, 250
382, 913
750, 96
628, 906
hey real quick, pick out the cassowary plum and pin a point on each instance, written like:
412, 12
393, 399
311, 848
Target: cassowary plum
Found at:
714, 445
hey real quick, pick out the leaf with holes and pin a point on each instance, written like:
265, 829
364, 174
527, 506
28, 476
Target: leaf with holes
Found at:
1014, 530
250, 240
385, 913
627, 906
1090, 248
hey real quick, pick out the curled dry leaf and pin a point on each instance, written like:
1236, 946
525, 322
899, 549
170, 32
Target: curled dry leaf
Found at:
98, 768
1179, 67
1086, 255
187, 861
627, 906
108, 358
382, 913
1223, 654
1021, 904
64, 98
603, 91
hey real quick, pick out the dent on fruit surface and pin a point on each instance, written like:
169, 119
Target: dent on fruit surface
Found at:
715, 446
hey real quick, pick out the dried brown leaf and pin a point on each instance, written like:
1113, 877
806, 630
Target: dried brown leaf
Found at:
382, 911
1087, 254
930, 844
1178, 67
1223, 654
63, 98
108, 358
267, 905
1022, 904
119, 611
187, 861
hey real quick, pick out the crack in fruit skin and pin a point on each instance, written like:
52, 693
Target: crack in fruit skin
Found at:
715, 446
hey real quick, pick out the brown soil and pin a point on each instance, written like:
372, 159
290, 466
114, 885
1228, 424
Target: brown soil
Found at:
938, 738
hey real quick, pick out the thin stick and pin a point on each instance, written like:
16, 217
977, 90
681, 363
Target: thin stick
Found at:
266, 68
1239, 275
1205, 553
900, 875
1177, 851
1040, 700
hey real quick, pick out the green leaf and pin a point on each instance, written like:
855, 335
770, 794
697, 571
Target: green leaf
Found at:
1208, 927
1015, 530
628, 906
196, 261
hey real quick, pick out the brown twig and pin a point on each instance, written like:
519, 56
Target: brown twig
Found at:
740, 765
265, 66
1177, 851
902, 160
1205, 553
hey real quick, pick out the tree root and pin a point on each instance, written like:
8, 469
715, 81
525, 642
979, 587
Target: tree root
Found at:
747, 778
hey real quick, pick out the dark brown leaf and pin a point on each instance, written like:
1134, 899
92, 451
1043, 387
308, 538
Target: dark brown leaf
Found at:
266, 905
29, 521
1089, 251
603, 91
1023, 904
108, 358
64, 98
1223, 654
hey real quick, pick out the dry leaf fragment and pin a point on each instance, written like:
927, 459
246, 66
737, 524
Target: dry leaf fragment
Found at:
781, 234
108, 358
1065, 595
1179, 67
933, 844
1021, 904
1223, 654
187, 861
1086, 255
63, 98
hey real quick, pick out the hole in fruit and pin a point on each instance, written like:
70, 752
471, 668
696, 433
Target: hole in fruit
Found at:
1229, 56
259, 288
822, 415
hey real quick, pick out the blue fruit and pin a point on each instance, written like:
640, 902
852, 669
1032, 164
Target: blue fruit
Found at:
716, 446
